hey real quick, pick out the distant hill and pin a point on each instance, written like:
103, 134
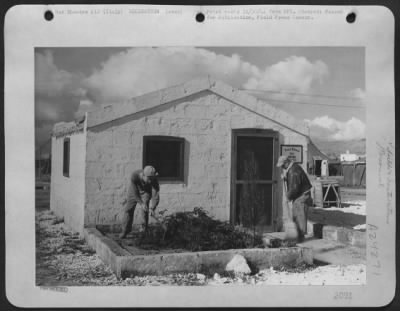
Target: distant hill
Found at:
333, 149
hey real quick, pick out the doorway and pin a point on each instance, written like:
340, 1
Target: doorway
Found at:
254, 178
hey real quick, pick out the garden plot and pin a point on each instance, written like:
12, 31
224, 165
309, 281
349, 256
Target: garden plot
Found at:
60, 265
188, 242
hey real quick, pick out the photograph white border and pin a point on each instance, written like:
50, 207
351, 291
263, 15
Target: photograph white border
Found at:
25, 28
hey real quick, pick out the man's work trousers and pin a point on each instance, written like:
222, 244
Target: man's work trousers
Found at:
142, 215
300, 211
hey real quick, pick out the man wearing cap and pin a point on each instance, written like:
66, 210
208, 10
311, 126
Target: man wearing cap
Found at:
143, 190
298, 190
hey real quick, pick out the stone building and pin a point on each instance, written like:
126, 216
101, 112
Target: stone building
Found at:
214, 147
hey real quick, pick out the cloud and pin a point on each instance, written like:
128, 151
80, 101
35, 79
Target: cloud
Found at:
331, 129
51, 81
57, 92
62, 96
46, 110
141, 70
296, 74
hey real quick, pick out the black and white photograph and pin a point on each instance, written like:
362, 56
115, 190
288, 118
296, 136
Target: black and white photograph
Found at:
233, 152
200, 166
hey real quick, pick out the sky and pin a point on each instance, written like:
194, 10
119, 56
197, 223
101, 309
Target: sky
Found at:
324, 86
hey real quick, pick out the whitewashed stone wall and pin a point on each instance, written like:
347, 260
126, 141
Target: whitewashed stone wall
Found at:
205, 120
67, 194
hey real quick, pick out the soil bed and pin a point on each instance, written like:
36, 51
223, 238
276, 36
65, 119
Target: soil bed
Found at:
185, 232
137, 263
134, 245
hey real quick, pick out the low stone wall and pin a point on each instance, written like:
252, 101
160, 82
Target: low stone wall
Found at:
344, 235
208, 262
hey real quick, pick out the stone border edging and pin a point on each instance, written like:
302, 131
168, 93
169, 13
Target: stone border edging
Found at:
125, 264
345, 235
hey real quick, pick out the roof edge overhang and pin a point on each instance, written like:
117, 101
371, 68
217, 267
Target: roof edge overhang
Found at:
109, 113
67, 128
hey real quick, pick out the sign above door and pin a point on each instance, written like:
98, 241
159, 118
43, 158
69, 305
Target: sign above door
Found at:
293, 152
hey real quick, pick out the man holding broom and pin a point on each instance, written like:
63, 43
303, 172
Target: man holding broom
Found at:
143, 190
298, 191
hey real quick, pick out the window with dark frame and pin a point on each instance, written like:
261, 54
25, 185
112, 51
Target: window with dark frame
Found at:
66, 157
165, 153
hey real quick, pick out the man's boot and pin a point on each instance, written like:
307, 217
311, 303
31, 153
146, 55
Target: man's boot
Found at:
125, 231
300, 238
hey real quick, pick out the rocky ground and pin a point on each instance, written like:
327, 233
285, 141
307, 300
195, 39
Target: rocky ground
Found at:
64, 259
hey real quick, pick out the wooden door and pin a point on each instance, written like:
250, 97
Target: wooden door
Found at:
254, 179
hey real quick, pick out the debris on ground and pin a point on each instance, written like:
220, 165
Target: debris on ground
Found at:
64, 259
322, 275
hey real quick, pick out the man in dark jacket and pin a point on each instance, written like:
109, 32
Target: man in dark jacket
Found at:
298, 191
143, 190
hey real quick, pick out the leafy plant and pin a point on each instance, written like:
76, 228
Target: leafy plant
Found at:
197, 231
